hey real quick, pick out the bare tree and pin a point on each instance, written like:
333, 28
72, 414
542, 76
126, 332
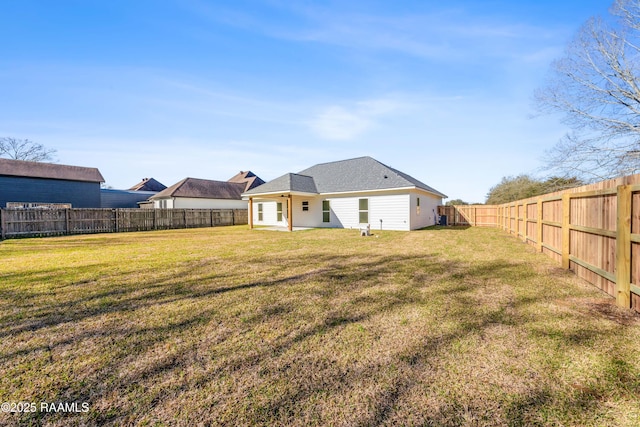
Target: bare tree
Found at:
596, 85
24, 149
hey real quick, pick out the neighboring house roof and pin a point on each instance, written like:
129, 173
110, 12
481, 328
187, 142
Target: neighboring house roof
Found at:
148, 184
26, 169
249, 178
359, 174
203, 189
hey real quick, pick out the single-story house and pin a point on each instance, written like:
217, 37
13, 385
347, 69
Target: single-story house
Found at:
30, 184
352, 193
193, 193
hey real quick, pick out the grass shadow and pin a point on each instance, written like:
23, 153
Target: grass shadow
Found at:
271, 340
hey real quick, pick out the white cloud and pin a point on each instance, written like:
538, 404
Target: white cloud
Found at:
437, 32
339, 123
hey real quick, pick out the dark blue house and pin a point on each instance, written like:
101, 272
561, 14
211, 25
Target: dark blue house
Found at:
35, 182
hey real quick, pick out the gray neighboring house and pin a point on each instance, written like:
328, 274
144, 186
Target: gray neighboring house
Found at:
42, 183
134, 197
353, 193
123, 199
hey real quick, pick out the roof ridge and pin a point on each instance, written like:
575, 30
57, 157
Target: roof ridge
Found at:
340, 161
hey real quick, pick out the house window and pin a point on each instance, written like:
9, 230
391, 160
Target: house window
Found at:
260, 212
279, 211
326, 211
418, 206
305, 206
363, 208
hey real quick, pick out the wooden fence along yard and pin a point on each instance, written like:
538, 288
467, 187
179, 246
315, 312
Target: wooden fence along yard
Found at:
593, 231
469, 215
54, 222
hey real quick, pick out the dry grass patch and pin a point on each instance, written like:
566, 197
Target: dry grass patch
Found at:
228, 326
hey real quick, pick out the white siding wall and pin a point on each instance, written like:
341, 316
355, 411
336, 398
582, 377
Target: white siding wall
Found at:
197, 203
310, 218
163, 204
392, 209
428, 204
397, 211
269, 212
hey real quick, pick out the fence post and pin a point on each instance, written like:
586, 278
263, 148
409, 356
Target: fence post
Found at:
507, 219
623, 247
539, 224
67, 221
525, 223
3, 224
115, 220
566, 231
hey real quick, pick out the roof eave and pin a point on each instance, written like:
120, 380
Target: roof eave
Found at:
385, 190
246, 196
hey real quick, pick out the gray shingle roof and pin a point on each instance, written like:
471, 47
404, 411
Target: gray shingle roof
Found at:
203, 189
288, 182
49, 170
359, 174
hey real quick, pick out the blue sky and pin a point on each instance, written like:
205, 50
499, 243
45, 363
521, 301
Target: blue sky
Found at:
441, 90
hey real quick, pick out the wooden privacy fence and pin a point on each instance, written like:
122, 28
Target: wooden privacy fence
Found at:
55, 222
470, 215
593, 231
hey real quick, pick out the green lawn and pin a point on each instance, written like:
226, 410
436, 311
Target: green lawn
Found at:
228, 326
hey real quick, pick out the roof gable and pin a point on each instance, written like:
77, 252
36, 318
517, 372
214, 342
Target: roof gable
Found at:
148, 184
247, 177
290, 182
26, 169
